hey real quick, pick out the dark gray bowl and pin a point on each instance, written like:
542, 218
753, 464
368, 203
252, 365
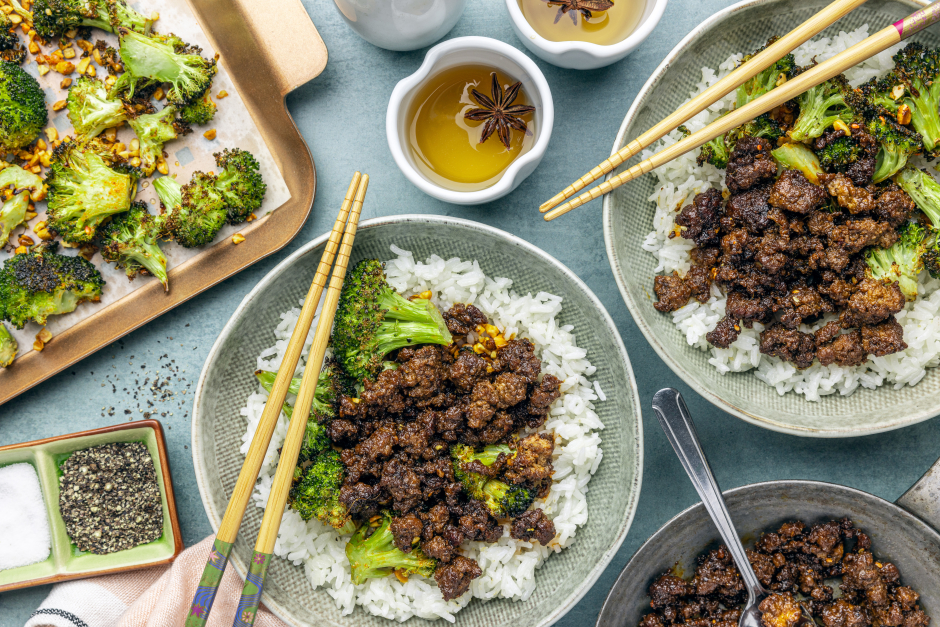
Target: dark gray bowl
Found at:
628, 217
227, 380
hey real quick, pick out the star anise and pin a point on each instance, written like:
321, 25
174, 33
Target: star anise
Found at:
498, 112
575, 6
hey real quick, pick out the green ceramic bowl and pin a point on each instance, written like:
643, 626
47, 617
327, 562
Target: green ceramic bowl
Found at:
227, 380
66, 561
628, 216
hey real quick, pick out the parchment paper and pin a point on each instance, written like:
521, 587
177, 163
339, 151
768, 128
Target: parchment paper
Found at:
234, 127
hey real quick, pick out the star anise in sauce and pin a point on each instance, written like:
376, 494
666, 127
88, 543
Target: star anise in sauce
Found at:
498, 112
573, 7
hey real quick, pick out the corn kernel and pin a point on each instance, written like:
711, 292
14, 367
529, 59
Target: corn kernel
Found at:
82, 66
44, 335
221, 94
92, 72
210, 134
426, 294
33, 47
238, 238
491, 330
43, 69
500, 341
20, 250
59, 105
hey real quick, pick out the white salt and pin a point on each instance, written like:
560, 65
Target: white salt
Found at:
24, 527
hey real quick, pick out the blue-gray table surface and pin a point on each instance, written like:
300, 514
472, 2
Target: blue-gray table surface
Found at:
342, 117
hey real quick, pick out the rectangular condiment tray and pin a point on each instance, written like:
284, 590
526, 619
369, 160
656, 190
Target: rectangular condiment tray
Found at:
65, 561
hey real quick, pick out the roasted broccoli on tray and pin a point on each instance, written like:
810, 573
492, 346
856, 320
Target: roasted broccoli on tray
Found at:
22, 107
240, 183
163, 59
196, 211
13, 211
55, 17
132, 241
8, 346
153, 130
91, 109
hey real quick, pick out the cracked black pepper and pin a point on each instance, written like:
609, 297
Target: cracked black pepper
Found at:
109, 498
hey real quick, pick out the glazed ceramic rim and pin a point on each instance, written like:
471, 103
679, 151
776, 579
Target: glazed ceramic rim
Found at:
612, 254
596, 51
202, 481
510, 176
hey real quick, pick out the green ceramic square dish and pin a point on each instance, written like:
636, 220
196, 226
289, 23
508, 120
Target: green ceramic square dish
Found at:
66, 561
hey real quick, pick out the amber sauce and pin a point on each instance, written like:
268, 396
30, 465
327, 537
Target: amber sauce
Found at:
603, 28
445, 147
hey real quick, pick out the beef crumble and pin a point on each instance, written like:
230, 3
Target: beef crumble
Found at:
794, 560
787, 252
395, 441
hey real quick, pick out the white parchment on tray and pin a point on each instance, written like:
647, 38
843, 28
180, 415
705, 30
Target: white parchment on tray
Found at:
185, 155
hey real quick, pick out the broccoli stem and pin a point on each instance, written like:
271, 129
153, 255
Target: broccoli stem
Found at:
394, 335
8, 347
12, 214
923, 190
170, 192
798, 157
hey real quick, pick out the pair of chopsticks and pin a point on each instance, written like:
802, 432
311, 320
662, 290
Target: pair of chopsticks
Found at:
274, 511
883, 39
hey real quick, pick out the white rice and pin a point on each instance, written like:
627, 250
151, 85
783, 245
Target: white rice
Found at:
508, 565
678, 183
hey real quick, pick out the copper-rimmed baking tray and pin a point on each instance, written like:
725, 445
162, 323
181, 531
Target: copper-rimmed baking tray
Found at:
65, 561
268, 53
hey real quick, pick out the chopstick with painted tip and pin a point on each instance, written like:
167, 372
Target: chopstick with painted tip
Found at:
883, 39
754, 66
283, 477
231, 521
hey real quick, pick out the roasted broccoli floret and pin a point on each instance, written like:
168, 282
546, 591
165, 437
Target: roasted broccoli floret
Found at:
10, 47
913, 83
55, 17
22, 107
196, 210
90, 108
132, 241
764, 81
377, 556
716, 151
902, 261
164, 59
372, 320
923, 190
820, 107
13, 211
839, 154
762, 126
153, 130
8, 347
199, 111
502, 499
931, 256
240, 182
42, 283
798, 157
896, 142
87, 185
316, 494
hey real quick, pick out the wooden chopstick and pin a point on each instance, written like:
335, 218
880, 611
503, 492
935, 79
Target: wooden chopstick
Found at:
283, 476
231, 521
722, 88
883, 39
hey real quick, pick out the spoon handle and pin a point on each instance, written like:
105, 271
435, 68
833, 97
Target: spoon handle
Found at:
677, 423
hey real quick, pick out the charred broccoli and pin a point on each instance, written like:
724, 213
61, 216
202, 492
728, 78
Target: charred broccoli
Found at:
372, 320
502, 499
54, 17
923, 190
8, 347
798, 157
766, 80
10, 47
240, 183
820, 107
163, 59
377, 555
131, 241
199, 111
839, 154
196, 210
13, 211
90, 108
153, 130
316, 494
42, 283
87, 185
902, 261
716, 151
931, 256
22, 107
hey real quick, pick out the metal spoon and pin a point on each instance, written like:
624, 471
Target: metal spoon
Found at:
674, 417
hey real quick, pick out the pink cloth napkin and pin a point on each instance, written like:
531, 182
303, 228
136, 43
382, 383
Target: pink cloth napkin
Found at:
155, 597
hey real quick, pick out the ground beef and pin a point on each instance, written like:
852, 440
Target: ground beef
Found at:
872, 302
454, 578
700, 219
533, 525
883, 339
845, 350
462, 319
788, 344
673, 292
750, 163
794, 192
725, 333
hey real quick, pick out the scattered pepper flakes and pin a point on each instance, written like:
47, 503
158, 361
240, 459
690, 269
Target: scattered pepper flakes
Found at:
238, 238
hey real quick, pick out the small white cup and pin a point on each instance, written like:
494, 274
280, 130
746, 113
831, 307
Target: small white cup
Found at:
464, 51
582, 55
401, 24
